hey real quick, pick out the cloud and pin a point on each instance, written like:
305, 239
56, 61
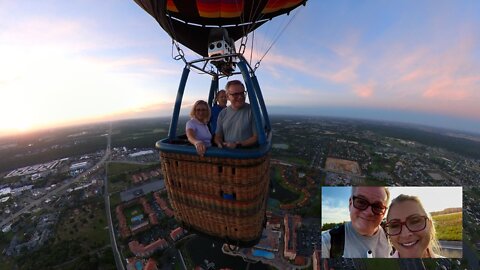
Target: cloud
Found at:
334, 211
364, 90
137, 65
347, 74
334, 214
439, 78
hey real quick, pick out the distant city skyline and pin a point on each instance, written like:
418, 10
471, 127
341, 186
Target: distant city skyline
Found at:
82, 61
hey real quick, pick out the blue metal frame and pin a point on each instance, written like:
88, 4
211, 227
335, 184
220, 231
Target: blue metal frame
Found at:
262, 122
262, 103
213, 90
165, 145
253, 101
178, 103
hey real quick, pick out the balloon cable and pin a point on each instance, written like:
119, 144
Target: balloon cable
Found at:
276, 39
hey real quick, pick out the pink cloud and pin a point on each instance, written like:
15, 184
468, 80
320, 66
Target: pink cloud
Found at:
345, 74
435, 75
449, 88
412, 76
364, 90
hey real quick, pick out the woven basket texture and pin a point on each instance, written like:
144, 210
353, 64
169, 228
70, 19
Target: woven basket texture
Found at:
223, 197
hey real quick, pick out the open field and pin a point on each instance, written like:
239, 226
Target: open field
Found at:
449, 226
118, 168
342, 166
118, 174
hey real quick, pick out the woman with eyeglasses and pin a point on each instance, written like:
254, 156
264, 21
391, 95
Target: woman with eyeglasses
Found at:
197, 130
410, 229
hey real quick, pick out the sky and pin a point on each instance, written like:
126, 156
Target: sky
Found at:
335, 200
78, 61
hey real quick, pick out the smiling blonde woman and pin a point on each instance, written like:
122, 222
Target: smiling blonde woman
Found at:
410, 229
197, 130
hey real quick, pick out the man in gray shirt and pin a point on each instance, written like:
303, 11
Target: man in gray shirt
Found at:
362, 237
235, 124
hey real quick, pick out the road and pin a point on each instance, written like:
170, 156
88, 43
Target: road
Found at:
60, 189
63, 187
111, 231
113, 241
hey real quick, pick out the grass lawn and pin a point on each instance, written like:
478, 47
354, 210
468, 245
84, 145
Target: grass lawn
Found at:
297, 161
117, 187
117, 168
119, 174
449, 226
115, 200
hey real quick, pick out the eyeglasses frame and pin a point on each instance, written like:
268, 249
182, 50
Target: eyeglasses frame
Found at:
404, 223
369, 204
238, 94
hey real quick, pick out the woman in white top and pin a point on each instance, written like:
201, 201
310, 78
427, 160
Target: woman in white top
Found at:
197, 130
410, 229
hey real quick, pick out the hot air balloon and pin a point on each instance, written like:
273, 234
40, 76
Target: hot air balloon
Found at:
224, 193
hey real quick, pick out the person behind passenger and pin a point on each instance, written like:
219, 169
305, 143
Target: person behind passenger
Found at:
362, 237
220, 104
196, 128
236, 124
410, 229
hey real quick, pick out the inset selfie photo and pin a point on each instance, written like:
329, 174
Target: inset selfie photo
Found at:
392, 222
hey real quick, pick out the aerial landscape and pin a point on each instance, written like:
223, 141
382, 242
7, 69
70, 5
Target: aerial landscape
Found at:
55, 213
232, 134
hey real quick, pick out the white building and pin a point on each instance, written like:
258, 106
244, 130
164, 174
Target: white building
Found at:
79, 166
142, 153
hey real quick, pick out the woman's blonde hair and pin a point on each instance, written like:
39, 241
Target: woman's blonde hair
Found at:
194, 107
433, 246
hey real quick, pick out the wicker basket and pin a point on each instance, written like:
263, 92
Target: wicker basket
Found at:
222, 197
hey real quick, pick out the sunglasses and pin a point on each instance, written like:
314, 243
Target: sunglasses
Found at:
414, 223
200, 110
362, 204
239, 94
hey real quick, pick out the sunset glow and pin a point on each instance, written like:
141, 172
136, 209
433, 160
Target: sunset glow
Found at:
59, 66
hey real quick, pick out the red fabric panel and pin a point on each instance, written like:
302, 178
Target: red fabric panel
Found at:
171, 6
276, 5
220, 8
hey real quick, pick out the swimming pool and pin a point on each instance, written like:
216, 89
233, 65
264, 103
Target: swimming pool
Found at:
262, 253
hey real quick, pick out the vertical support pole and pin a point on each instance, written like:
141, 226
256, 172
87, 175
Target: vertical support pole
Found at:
262, 140
178, 103
213, 90
261, 102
